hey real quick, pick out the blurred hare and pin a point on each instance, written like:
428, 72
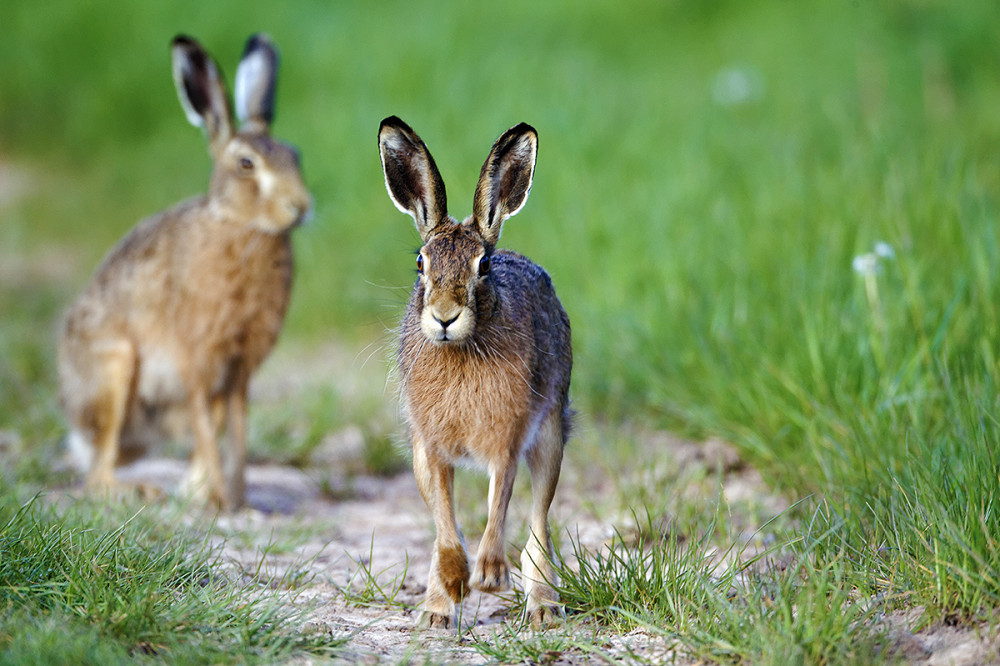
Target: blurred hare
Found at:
484, 362
186, 306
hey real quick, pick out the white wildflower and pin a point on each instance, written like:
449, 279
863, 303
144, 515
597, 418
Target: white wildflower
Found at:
736, 85
866, 264
884, 250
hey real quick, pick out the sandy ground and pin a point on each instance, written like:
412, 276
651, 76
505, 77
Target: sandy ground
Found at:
383, 528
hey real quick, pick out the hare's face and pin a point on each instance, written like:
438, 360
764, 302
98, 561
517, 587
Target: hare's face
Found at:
259, 180
454, 271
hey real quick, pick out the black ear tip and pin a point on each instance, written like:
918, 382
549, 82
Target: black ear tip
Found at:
523, 128
394, 122
258, 40
183, 41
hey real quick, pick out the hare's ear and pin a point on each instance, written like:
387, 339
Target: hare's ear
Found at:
201, 90
411, 176
256, 78
505, 180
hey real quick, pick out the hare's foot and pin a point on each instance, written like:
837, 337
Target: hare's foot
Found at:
543, 617
204, 489
432, 620
197, 490
491, 573
447, 584
452, 572
149, 492
118, 490
542, 608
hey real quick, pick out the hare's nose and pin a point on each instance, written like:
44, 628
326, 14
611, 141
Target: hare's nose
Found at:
445, 323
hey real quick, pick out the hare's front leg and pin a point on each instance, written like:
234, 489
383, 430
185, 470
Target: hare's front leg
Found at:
544, 462
449, 574
204, 478
491, 573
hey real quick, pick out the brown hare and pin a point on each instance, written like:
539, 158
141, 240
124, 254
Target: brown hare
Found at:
484, 360
185, 307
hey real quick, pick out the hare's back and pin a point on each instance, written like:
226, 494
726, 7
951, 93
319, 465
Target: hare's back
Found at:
140, 263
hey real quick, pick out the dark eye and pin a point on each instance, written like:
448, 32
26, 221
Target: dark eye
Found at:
484, 266
246, 164
420, 263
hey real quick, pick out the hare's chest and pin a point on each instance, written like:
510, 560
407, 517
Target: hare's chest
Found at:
467, 409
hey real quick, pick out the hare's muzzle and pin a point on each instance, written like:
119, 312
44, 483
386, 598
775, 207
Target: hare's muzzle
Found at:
446, 324
300, 211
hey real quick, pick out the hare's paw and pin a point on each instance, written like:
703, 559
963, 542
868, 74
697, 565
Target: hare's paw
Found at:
543, 617
453, 572
432, 620
491, 574
150, 493
118, 491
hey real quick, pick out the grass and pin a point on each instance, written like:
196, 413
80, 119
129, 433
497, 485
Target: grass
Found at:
708, 172
78, 589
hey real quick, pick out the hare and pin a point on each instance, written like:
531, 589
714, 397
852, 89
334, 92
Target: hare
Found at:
484, 362
188, 304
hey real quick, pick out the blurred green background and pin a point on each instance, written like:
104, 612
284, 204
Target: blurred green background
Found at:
708, 172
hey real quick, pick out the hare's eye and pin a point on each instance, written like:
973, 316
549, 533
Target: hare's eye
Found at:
420, 263
246, 164
484, 266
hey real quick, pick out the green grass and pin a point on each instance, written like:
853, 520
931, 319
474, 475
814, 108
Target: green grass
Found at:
748, 609
78, 589
702, 242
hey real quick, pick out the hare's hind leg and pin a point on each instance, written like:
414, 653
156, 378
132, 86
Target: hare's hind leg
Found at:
544, 461
110, 389
229, 413
234, 461
449, 574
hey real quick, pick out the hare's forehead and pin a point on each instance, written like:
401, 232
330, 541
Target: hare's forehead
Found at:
454, 246
274, 152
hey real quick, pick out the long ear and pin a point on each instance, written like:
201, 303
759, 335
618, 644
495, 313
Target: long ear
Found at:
411, 176
201, 90
256, 78
505, 180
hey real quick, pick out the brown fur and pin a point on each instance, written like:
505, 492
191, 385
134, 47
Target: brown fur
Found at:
484, 359
187, 306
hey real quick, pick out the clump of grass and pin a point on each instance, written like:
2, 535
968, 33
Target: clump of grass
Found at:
513, 643
769, 608
114, 591
364, 588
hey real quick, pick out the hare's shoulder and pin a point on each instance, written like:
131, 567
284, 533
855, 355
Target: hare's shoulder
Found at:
518, 276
